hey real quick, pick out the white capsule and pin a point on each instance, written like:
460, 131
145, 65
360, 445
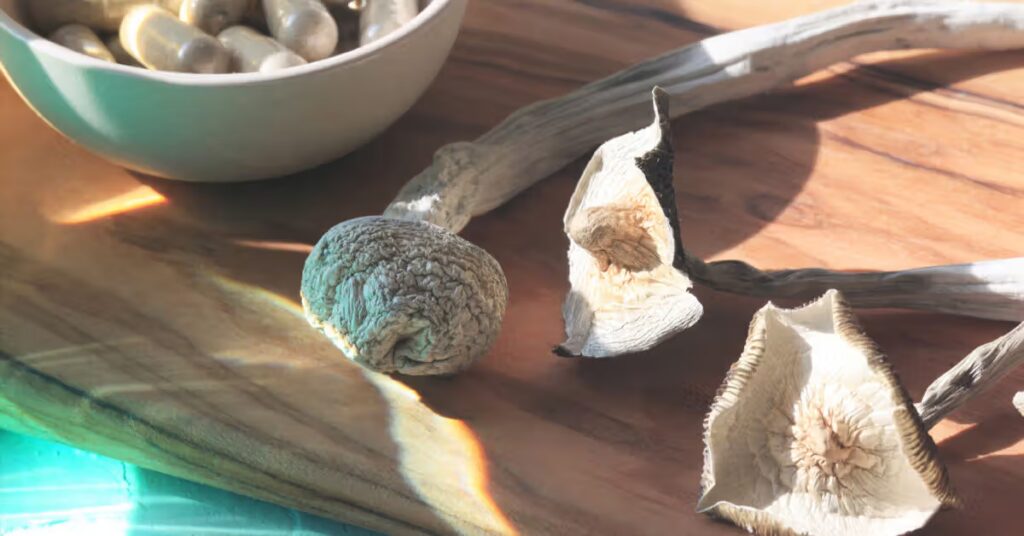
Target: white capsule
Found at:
304, 26
120, 54
82, 39
100, 15
212, 16
253, 52
159, 40
378, 18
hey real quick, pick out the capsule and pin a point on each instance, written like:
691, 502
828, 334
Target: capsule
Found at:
253, 52
120, 54
212, 16
378, 18
159, 40
347, 20
82, 39
304, 26
100, 15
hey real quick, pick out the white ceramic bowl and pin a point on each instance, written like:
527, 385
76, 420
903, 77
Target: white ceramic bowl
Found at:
227, 127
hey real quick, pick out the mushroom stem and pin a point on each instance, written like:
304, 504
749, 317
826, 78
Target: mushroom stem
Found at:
1018, 402
630, 288
981, 369
471, 178
987, 289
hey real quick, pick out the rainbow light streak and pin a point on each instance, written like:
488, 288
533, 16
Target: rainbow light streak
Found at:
77, 349
443, 460
271, 245
440, 457
136, 199
259, 294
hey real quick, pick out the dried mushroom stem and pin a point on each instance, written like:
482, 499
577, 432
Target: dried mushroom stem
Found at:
981, 369
988, 289
471, 178
412, 332
630, 274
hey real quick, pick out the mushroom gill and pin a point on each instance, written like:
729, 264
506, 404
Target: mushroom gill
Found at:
812, 433
625, 257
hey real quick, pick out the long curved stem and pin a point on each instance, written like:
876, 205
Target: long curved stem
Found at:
470, 178
981, 369
987, 289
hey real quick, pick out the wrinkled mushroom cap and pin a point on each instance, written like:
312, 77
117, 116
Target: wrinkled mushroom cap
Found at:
404, 296
812, 433
625, 257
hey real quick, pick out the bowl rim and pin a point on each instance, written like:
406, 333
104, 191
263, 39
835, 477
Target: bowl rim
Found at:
421, 22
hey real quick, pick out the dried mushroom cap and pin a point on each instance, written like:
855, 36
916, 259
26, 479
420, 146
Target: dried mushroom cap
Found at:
625, 256
404, 296
812, 433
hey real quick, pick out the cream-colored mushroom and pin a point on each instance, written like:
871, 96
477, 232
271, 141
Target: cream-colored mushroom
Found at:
624, 250
404, 296
630, 275
812, 432
472, 178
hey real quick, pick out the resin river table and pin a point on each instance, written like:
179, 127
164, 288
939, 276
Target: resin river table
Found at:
157, 322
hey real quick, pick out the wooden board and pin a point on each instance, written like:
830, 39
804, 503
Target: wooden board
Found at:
157, 322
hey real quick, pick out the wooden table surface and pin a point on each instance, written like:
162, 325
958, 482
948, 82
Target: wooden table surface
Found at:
156, 321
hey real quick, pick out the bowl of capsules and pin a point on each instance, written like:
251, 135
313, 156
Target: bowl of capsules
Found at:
223, 90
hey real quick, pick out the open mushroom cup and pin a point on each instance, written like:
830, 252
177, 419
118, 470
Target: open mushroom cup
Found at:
629, 291
812, 433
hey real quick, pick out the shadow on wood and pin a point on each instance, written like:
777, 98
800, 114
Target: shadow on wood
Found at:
168, 334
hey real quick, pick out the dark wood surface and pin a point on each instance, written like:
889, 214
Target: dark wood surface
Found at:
156, 322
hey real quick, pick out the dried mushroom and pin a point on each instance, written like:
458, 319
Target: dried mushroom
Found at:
981, 369
812, 433
1018, 402
404, 296
630, 275
467, 179
624, 250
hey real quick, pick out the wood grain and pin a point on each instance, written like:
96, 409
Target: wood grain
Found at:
166, 333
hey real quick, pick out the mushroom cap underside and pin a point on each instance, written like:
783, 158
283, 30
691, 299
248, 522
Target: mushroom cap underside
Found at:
812, 433
628, 292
